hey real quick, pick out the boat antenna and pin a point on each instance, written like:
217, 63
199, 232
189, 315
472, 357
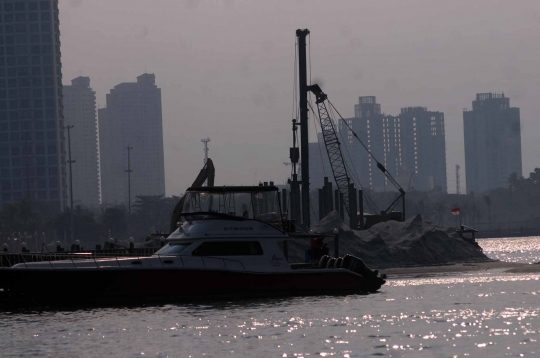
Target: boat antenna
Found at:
205, 141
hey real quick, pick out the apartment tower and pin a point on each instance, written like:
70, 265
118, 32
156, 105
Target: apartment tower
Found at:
80, 112
32, 154
411, 146
492, 142
132, 119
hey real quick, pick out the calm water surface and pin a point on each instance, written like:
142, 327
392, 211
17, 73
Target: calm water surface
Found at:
487, 314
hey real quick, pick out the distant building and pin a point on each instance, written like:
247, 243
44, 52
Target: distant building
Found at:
370, 125
411, 146
32, 152
132, 118
80, 111
423, 148
492, 142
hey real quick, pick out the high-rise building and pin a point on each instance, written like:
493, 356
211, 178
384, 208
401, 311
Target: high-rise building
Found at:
80, 112
32, 154
492, 142
411, 146
423, 148
132, 119
370, 125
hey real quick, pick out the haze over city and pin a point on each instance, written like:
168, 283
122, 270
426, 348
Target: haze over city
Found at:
226, 69
408, 227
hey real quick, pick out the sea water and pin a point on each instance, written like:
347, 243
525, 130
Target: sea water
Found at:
477, 314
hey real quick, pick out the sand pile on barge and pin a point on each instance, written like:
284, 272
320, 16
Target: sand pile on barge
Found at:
396, 244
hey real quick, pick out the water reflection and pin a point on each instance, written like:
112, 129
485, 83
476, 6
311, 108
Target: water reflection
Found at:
445, 316
464, 278
480, 314
515, 249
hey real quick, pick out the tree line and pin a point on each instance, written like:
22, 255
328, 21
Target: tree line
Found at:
513, 206
149, 214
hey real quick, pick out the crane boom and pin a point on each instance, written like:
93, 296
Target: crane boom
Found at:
333, 148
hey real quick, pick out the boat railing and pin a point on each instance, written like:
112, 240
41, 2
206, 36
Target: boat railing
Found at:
103, 260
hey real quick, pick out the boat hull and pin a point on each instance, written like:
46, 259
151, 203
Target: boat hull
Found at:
109, 285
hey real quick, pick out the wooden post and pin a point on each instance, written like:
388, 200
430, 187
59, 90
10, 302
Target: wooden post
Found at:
328, 201
336, 243
329, 198
336, 200
264, 201
341, 207
353, 220
321, 204
361, 209
284, 207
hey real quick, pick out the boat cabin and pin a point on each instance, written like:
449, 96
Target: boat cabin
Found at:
236, 222
247, 202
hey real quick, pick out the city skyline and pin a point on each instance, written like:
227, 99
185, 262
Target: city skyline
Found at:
234, 85
411, 146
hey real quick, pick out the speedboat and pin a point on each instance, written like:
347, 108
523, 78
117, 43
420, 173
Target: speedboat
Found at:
230, 242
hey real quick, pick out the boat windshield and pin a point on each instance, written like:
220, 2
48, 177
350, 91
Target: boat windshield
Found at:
263, 205
173, 248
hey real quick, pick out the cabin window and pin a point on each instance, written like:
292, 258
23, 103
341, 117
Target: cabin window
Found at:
173, 248
228, 248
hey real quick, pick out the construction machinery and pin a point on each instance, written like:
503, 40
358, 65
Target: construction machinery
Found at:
207, 175
333, 146
337, 161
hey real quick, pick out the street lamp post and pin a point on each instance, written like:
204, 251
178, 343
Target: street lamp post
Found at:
70, 162
129, 171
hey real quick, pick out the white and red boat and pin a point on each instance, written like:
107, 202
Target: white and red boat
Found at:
230, 243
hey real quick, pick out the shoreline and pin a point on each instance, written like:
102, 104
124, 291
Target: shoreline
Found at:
505, 267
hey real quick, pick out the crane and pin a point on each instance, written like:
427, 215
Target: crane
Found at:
335, 156
333, 147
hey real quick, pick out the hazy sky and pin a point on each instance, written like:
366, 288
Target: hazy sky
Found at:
225, 68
